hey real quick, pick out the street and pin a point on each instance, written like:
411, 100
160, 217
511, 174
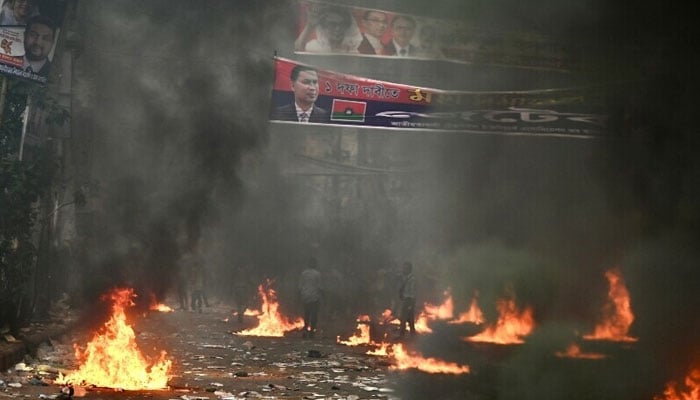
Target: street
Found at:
211, 362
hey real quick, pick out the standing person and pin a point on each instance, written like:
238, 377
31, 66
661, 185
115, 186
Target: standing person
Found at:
311, 291
304, 81
197, 290
407, 295
193, 262
403, 28
374, 24
39, 36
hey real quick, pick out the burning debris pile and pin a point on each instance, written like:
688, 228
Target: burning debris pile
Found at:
159, 306
270, 321
617, 314
112, 359
512, 325
688, 390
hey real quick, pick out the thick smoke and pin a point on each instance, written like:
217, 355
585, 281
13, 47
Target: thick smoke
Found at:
173, 101
171, 96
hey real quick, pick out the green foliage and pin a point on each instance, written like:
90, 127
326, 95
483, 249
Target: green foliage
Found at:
22, 185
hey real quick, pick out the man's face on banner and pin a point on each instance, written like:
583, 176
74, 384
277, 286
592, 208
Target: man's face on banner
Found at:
403, 31
22, 9
376, 23
305, 88
38, 40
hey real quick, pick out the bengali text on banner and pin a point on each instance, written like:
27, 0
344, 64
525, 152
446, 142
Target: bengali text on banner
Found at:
302, 93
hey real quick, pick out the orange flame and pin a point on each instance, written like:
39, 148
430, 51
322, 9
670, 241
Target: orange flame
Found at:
156, 306
442, 311
421, 323
270, 321
574, 351
445, 311
511, 326
432, 312
404, 360
473, 315
690, 390
249, 313
618, 316
362, 336
112, 359
382, 350
161, 307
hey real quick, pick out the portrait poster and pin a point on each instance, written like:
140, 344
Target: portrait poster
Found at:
347, 100
29, 32
325, 29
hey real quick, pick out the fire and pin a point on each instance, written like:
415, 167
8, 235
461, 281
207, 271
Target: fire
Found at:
404, 360
270, 321
432, 312
157, 306
473, 315
574, 351
160, 307
360, 338
445, 311
382, 350
618, 316
511, 326
421, 323
112, 359
389, 318
249, 313
442, 311
690, 390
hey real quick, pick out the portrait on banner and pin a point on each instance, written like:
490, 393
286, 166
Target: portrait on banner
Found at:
28, 35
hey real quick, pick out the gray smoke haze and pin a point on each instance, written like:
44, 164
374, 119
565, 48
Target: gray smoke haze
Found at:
172, 103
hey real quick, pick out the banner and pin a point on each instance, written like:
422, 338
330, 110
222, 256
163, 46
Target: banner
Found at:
304, 94
333, 29
28, 35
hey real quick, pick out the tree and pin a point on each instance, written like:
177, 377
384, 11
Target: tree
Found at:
23, 182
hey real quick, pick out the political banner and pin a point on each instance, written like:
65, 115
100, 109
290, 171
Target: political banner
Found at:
326, 29
304, 94
28, 35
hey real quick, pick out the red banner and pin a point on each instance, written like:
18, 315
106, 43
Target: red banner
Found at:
305, 94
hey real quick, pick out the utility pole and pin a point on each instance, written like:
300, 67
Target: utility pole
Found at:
3, 95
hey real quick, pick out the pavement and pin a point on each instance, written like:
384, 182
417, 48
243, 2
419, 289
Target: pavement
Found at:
15, 349
210, 361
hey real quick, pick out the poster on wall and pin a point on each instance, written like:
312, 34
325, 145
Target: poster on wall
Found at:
325, 29
305, 94
29, 32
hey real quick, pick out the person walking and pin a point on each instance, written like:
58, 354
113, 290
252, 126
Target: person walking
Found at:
310, 291
407, 295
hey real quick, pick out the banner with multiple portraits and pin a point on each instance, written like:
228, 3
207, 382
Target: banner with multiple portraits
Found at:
28, 35
325, 28
304, 94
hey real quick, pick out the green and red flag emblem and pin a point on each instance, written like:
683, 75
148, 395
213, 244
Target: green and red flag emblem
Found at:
346, 110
